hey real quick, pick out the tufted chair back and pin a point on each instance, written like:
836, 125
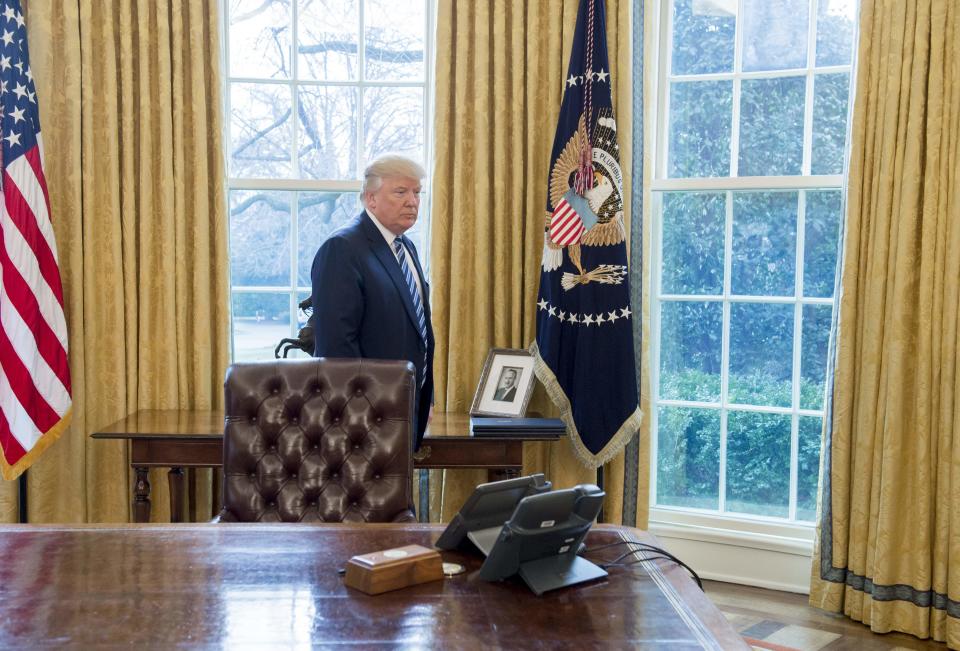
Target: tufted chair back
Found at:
318, 440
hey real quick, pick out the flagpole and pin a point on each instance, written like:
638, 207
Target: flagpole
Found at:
22, 497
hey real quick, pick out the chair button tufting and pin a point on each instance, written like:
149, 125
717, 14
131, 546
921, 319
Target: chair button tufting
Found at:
293, 476
356, 446
294, 420
271, 504
316, 446
359, 392
376, 476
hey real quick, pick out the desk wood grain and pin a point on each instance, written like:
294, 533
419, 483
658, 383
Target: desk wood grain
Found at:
276, 586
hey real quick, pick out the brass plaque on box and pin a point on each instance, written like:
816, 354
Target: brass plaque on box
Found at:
392, 569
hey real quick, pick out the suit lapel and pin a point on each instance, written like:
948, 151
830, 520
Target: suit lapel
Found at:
389, 261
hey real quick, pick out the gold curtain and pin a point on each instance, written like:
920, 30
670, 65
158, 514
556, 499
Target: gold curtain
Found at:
500, 74
888, 547
129, 94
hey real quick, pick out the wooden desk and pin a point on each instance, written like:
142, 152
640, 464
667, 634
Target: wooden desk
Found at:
179, 439
276, 586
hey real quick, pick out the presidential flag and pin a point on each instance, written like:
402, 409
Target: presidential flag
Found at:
34, 377
584, 348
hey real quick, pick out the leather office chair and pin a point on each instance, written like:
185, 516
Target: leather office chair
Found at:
318, 440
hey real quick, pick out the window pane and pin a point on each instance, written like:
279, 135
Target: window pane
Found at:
703, 34
829, 122
292, 351
700, 118
758, 463
813, 355
394, 39
693, 234
835, 21
260, 39
761, 354
393, 121
690, 341
320, 214
328, 40
764, 243
821, 241
259, 238
774, 34
688, 457
771, 126
260, 130
328, 132
260, 321
808, 467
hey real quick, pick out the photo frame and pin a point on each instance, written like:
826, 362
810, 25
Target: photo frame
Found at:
506, 384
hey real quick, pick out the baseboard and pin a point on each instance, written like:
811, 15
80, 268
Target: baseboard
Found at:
761, 560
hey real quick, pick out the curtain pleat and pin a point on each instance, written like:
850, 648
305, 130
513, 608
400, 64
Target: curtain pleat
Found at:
891, 477
130, 107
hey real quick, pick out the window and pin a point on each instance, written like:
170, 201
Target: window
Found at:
314, 90
752, 100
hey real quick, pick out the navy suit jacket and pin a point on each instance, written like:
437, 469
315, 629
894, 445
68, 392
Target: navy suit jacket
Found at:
362, 307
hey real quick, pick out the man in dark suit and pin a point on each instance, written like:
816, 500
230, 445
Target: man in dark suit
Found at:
370, 297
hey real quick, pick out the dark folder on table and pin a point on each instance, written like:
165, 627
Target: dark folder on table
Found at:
520, 427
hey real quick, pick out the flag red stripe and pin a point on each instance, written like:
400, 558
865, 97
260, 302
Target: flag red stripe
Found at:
43, 415
33, 157
12, 450
563, 210
569, 228
561, 225
557, 224
23, 218
26, 304
571, 235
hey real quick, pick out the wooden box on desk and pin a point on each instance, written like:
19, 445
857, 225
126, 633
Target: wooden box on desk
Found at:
392, 569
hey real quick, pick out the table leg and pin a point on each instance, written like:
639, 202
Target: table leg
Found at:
216, 492
499, 474
141, 495
424, 507
175, 479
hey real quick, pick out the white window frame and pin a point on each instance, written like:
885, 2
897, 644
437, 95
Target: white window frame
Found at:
295, 184
786, 535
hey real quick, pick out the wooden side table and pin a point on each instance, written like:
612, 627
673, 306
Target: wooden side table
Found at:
178, 439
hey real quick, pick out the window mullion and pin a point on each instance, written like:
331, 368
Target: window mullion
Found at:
725, 349
361, 91
737, 71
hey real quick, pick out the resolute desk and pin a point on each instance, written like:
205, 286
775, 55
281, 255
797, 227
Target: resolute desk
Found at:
276, 586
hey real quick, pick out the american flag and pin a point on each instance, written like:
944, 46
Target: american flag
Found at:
34, 376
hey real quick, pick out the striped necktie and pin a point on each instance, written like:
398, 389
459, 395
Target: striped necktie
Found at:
415, 297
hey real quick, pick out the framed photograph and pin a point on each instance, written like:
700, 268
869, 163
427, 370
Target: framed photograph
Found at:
506, 384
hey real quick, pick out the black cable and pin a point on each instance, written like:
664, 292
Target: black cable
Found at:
659, 554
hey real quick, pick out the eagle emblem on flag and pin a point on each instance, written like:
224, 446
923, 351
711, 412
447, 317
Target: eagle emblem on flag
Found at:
584, 348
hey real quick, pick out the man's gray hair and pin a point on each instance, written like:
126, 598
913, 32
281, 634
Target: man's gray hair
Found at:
385, 166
